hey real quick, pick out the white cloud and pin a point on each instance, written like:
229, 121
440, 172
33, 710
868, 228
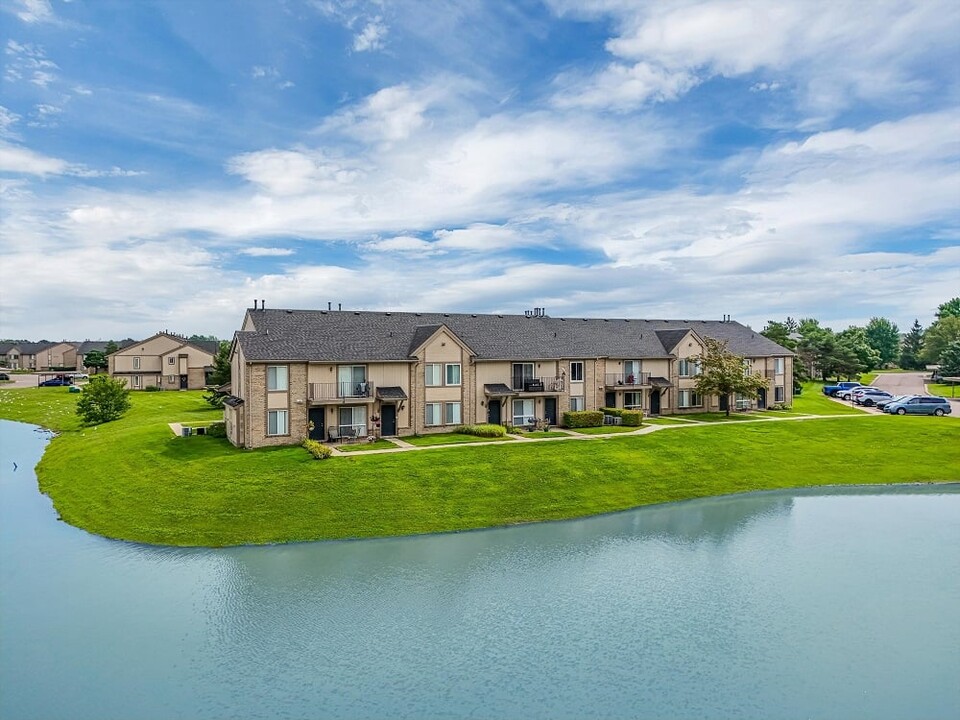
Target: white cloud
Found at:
81, 90
292, 172
401, 244
372, 36
35, 11
30, 62
623, 87
7, 120
266, 252
22, 160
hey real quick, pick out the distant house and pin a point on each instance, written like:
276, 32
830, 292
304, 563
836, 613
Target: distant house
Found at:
58, 356
164, 361
25, 356
328, 374
88, 346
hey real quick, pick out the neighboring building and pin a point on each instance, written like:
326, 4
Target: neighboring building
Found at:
164, 361
299, 373
24, 356
58, 356
88, 346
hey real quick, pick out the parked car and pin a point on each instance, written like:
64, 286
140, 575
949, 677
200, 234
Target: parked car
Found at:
870, 398
834, 390
881, 404
4, 376
80, 376
848, 393
920, 405
56, 382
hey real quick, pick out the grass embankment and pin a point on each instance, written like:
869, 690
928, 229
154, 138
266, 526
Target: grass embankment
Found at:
450, 439
944, 389
133, 480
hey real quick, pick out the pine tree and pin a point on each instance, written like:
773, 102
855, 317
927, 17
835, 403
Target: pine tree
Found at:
912, 348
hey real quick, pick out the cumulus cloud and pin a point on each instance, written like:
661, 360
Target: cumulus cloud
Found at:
34, 11
266, 252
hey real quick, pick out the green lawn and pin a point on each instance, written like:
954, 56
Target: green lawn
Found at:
721, 416
450, 439
943, 389
605, 430
133, 480
542, 434
380, 444
812, 401
662, 421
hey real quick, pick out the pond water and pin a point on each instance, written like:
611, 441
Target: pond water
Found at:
801, 604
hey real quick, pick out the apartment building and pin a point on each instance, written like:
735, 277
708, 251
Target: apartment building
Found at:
165, 361
330, 373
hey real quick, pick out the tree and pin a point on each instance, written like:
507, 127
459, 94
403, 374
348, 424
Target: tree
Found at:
911, 348
853, 342
951, 308
202, 338
884, 337
722, 373
780, 333
95, 359
938, 336
950, 360
111, 348
103, 399
221, 365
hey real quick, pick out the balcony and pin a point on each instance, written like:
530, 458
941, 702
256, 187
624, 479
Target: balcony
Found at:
628, 380
544, 384
340, 392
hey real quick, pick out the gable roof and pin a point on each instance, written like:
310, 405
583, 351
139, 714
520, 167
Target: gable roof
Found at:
208, 346
671, 338
343, 335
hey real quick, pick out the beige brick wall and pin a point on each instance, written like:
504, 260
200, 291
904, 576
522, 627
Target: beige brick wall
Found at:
256, 406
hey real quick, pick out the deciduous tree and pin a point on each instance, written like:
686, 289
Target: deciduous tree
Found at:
951, 308
722, 373
103, 399
884, 337
95, 359
950, 360
935, 340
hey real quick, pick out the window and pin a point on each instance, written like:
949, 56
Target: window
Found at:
576, 402
688, 398
453, 374
633, 400
689, 368
522, 373
451, 413
136, 380
277, 377
171, 360
778, 394
277, 422
353, 421
171, 378
432, 413
431, 374
352, 381
631, 372
778, 366
523, 412
747, 368
576, 371
136, 362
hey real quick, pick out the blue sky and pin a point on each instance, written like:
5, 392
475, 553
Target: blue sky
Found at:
162, 164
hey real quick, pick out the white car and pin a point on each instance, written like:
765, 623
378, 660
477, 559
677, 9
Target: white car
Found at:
80, 376
849, 394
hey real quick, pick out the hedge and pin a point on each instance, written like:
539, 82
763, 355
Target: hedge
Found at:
633, 418
319, 451
484, 430
583, 418
217, 430
615, 412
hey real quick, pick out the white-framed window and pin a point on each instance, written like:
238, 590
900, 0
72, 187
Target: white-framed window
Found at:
432, 374
353, 421
523, 412
137, 381
451, 413
688, 399
689, 367
136, 362
778, 366
741, 401
171, 360
452, 374
277, 378
432, 413
171, 378
631, 372
576, 371
747, 368
778, 394
633, 400
576, 402
522, 374
277, 422
352, 381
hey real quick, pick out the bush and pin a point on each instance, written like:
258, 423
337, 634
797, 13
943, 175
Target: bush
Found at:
485, 430
615, 412
633, 418
318, 450
217, 430
104, 399
583, 418
151, 388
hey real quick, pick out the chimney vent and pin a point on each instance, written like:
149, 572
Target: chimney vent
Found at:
339, 306
254, 303
329, 305
263, 304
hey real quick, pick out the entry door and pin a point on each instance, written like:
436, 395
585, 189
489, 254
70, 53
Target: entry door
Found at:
550, 410
655, 402
724, 403
610, 400
316, 418
388, 420
183, 382
493, 412
762, 399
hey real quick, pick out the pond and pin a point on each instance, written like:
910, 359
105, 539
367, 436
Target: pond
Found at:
820, 603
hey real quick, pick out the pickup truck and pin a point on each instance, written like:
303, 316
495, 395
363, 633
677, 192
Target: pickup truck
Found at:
834, 390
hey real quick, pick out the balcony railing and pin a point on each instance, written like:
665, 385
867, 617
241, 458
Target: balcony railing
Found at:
538, 384
340, 391
627, 380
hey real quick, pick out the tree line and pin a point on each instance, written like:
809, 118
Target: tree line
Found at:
823, 353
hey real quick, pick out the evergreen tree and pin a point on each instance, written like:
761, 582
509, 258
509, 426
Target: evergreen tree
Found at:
884, 337
951, 308
780, 332
912, 347
221, 365
110, 348
950, 360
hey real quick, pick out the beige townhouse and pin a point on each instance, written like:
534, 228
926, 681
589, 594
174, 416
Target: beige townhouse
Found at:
58, 356
165, 361
329, 374
25, 356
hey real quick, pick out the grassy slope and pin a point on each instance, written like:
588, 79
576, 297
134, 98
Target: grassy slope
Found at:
133, 480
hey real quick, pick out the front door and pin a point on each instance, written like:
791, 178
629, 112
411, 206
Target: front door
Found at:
724, 403
655, 402
316, 424
762, 399
610, 400
493, 412
550, 410
183, 382
388, 420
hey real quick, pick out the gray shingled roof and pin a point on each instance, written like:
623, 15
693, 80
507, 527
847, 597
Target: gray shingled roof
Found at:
670, 338
498, 389
343, 336
391, 392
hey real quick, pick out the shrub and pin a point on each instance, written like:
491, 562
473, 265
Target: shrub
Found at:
616, 412
151, 388
583, 418
217, 430
484, 430
633, 418
104, 399
318, 450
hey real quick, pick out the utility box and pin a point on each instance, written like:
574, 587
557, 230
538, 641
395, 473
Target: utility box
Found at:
185, 431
